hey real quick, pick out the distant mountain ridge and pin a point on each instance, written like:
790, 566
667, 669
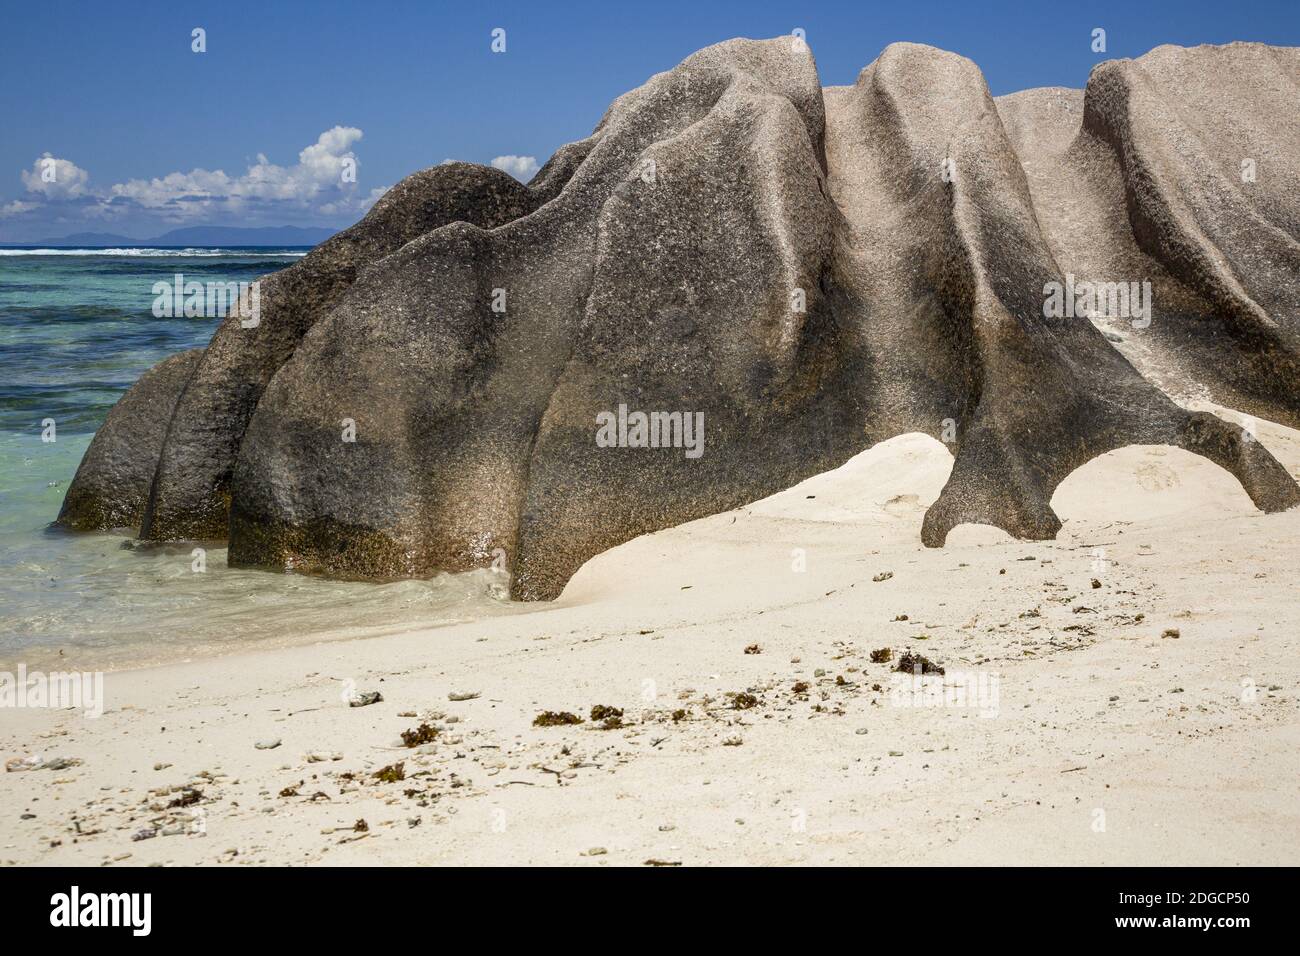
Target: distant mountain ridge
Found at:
196, 236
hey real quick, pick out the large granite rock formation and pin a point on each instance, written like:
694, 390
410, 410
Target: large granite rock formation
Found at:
811, 270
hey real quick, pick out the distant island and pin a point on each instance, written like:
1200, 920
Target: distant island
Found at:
196, 236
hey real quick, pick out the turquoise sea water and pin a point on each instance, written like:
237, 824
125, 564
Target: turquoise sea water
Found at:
76, 330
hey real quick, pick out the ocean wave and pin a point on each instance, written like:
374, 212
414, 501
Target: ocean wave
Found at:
160, 253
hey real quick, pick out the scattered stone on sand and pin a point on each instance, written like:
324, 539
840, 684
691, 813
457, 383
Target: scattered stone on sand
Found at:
269, 744
882, 576
365, 698
1171, 632
38, 762
464, 694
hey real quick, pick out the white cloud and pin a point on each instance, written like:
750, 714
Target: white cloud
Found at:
523, 168
322, 182
318, 174
17, 207
55, 178
354, 205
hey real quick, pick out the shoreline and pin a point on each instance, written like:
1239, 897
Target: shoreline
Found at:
1096, 710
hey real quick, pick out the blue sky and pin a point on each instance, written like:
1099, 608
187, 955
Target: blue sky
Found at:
143, 134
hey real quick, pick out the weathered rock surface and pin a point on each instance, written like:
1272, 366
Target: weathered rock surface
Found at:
811, 270
191, 494
112, 483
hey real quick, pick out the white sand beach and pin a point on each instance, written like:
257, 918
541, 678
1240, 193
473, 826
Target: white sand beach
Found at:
1094, 739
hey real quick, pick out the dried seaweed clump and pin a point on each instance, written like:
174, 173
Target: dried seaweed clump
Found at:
424, 734
911, 663
882, 655
611, 718
555, 718
189, 796
743, 701
393, 773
